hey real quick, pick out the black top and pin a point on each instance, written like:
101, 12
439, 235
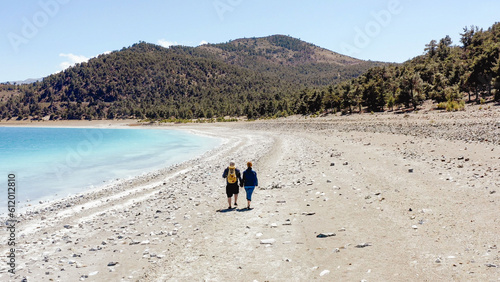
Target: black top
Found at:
238, 176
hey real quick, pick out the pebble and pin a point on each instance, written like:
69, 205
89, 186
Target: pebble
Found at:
324, 272
363, 245
268, 241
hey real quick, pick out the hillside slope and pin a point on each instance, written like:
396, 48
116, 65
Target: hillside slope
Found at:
253, 77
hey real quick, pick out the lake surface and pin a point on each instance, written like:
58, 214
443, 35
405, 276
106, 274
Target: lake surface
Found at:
52, 163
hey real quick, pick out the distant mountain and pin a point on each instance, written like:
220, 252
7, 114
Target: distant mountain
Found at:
251, 76
26, 81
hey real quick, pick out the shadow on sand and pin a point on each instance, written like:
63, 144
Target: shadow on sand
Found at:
244, 209
226, 210
234, 209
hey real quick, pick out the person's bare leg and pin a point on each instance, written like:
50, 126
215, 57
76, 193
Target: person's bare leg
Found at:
235, 199
248, 203
229, 202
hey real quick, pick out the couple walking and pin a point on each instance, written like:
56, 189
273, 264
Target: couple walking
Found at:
233, 176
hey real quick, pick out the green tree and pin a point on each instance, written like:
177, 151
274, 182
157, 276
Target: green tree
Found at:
443, 48
431, 48
467, 35
411, 89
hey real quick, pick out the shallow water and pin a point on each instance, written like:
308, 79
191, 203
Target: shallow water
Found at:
51, 163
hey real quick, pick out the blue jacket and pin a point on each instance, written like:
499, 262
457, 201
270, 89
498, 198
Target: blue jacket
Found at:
250, 178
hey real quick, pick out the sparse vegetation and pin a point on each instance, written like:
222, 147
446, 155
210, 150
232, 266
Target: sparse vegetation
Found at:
451, 106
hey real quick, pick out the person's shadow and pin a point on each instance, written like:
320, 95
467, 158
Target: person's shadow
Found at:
234, 209
244, 209
225, 210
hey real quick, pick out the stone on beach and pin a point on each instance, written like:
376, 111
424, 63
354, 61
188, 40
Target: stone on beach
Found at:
363, 245
268, 241
324, 272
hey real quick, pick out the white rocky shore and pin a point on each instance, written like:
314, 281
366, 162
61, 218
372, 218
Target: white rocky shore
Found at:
359, 198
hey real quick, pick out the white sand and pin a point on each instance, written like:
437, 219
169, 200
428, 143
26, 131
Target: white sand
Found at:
438, 222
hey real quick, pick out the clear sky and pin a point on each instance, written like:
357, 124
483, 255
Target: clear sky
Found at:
41, 37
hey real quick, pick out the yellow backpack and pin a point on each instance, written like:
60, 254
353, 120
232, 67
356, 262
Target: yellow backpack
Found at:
231, 175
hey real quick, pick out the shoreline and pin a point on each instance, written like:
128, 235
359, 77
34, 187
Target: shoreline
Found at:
36, 205
86, 208
394, 205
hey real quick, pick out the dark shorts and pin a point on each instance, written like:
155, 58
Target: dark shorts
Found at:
232, 189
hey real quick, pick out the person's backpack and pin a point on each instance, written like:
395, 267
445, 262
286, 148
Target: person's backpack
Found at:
231, 176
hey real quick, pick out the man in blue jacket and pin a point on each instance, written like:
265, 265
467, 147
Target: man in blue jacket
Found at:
250, 181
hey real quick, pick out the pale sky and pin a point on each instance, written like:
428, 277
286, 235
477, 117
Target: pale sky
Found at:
41, 37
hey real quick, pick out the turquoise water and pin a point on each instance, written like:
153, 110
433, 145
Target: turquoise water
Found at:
51, 163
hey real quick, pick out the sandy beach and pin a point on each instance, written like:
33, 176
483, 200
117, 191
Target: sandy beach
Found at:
382, 197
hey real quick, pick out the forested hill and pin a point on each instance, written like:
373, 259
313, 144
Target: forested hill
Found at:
252, 77
289, 58
447, 73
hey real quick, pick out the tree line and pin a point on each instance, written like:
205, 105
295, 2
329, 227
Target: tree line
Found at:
447, 74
